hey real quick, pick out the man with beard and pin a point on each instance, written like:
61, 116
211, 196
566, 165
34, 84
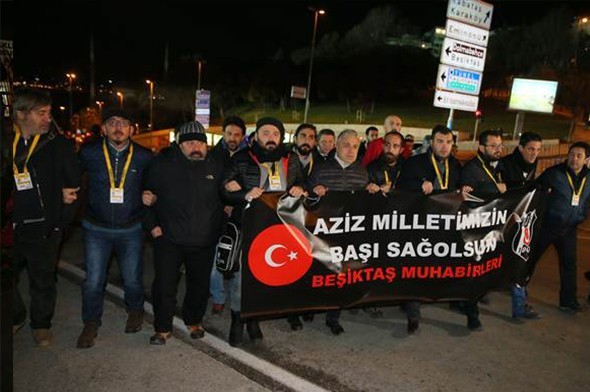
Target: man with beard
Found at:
234, 131
185, 222
567, 207
115, 169
305, 141
434, 170
384, 172
265, 166
46, 179
518, 169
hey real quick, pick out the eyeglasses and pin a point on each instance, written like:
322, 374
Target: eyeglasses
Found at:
495, 146
121, 123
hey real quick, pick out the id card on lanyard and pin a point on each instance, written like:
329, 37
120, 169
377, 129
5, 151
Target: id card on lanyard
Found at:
575, 194
274, 178
23, 180
117, 194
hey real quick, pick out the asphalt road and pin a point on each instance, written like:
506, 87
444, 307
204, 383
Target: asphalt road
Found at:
549, 354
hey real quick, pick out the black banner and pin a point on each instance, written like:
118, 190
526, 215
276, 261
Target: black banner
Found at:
356, 249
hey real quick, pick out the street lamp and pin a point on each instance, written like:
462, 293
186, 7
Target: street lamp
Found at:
316, 14
199, 68
71, 77
151, 124
120, 95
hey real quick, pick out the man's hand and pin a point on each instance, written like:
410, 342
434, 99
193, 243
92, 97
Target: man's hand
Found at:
69, 195
228, 210
386, 187
156, 232
148, 198
232, 186
502, 187
254, 193
297, 191
466, 189
427, 187
372, 188
320, 190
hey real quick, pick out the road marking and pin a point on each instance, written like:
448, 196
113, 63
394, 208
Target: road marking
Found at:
278, 374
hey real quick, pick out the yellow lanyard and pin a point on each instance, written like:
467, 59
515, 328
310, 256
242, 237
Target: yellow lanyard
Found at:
110, 168
488, 172
268, 168
386, 177
31, 149
310, 164
579, 192
443, 185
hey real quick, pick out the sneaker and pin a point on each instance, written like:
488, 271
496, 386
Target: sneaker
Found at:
196, 331
527, 313
42, 337
217, 309
134, 321
159, 338
89, 333
572, 308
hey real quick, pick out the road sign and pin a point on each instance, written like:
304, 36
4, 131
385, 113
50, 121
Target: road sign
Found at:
476, 13
298, 92
450, 100
463, 54
202, 104
459, 80
467, 33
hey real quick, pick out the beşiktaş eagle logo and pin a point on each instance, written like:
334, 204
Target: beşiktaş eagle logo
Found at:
521, 244
279, 255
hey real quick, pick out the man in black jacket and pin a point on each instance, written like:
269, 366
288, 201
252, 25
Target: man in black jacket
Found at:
518, 169
434, 170
185, 222
265, 166
482, 173
115, 166
384, 172
47, 177
326, 146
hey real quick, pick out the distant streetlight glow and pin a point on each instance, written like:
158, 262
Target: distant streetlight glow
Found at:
120, 95
71, 77
151, 124
316, 13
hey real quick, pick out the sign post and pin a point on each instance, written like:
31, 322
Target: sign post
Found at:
202, 107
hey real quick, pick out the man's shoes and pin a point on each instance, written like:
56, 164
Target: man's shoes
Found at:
295, 323
308, 317
334, 326
253, 329
217, 309
16, 328
196, 331
42, 337
89, 333
574, 307
413, 325
373, 312
134, 321
474, 324
159, 338
526, 313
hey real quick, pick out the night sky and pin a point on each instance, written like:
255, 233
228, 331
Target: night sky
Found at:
53, 39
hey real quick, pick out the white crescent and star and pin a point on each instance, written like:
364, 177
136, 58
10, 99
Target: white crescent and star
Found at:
268, 256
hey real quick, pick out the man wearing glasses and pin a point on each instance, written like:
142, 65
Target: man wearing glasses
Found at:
115, 168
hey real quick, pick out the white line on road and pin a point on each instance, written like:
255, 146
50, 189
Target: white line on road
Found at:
278, 374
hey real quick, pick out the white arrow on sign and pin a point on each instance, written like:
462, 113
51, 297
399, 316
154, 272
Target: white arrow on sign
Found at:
467, 33
463, 54
449, 100
474, 12
459, 80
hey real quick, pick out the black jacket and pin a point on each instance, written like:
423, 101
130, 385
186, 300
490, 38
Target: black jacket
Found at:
515, 171
52, 166
188, 208
336, 178
419, 168
474, 174
379, 167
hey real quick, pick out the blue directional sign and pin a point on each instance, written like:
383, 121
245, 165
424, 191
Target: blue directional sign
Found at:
459, 80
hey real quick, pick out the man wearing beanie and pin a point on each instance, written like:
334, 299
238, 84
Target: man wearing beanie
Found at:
115, 168
265, 166
185, 222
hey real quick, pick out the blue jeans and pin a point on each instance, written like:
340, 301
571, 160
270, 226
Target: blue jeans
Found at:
216, 287
99, 244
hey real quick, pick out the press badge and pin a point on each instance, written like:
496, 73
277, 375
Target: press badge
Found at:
23, 181
274, 183
117, 195
575, 200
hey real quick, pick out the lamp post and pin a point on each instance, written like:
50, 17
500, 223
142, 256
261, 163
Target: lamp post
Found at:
71, 77
120, 95
199, 68
316, 14
151, 124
